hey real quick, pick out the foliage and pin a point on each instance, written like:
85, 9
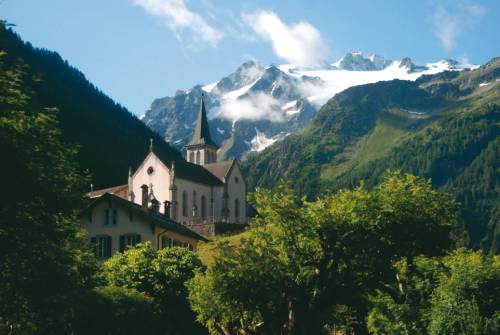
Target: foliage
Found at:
467, 298
161, 275
44, 263
118, 310
302, 261
456, 294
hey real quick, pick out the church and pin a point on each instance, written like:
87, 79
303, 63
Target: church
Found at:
173, 202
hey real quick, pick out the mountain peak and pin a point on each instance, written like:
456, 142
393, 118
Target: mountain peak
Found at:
355, 61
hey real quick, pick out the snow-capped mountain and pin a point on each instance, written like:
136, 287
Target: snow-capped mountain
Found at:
255, 106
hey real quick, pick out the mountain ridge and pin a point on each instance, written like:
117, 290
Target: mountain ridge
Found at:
268, 101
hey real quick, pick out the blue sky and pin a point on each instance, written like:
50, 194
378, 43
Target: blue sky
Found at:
138, 50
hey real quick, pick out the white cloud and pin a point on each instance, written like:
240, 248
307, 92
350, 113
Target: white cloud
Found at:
476, 10
446, 28
300, 44
449, 23
258, 106
178, 17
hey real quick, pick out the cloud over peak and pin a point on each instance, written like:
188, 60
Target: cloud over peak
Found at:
178, 17
300, 44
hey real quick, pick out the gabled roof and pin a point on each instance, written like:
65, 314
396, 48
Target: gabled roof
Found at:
220, 169
112, 190
201, 134
154, 218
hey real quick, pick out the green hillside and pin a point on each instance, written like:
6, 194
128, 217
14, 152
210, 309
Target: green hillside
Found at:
444, 127
110, 139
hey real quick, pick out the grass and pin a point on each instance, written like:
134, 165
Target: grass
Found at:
391, 128
207, 251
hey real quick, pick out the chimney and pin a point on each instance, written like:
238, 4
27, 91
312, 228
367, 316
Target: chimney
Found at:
166, 205
144, 196
155, 206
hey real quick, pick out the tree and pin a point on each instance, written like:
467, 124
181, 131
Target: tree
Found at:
161, 275
467, 297
303, 260
45, 265
118, 311
455, 294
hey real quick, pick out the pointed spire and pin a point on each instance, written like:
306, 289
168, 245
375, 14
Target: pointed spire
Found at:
150, 145
201, 134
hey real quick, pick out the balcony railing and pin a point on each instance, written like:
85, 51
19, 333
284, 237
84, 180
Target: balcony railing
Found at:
212, 219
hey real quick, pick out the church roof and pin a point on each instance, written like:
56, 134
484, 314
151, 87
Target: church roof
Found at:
201, 134
220, 169
189, 171
152, 217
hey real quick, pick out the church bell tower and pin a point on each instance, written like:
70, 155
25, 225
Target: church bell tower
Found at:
202, 149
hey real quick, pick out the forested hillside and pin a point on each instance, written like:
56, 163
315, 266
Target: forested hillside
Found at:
444, 127
110, 139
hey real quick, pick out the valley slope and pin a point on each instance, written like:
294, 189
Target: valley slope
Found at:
108, 137
444, 126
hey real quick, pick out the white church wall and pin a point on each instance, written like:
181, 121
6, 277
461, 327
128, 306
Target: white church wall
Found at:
188, 187
236, 190
218, 192
160, 179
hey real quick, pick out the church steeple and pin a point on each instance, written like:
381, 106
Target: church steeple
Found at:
202, 149
201, 134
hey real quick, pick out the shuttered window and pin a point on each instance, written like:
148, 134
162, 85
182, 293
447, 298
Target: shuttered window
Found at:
102, 246
129, 240
110, 216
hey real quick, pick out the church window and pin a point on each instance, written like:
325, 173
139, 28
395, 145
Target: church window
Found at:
150, 170
237, 208
236, 180
184, 203
195, 207
102, 246
129, 240
191, 157
197, 157
203, 206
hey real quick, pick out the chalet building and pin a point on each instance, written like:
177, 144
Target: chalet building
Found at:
170, 202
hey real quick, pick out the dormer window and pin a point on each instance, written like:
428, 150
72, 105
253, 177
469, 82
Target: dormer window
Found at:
150, 170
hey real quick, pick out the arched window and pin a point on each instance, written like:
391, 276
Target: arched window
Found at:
195, 207
203, 206
191, 157
237, 208
184, 203
197, 157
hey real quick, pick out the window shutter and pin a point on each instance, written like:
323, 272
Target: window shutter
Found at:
108, 246
122, 243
